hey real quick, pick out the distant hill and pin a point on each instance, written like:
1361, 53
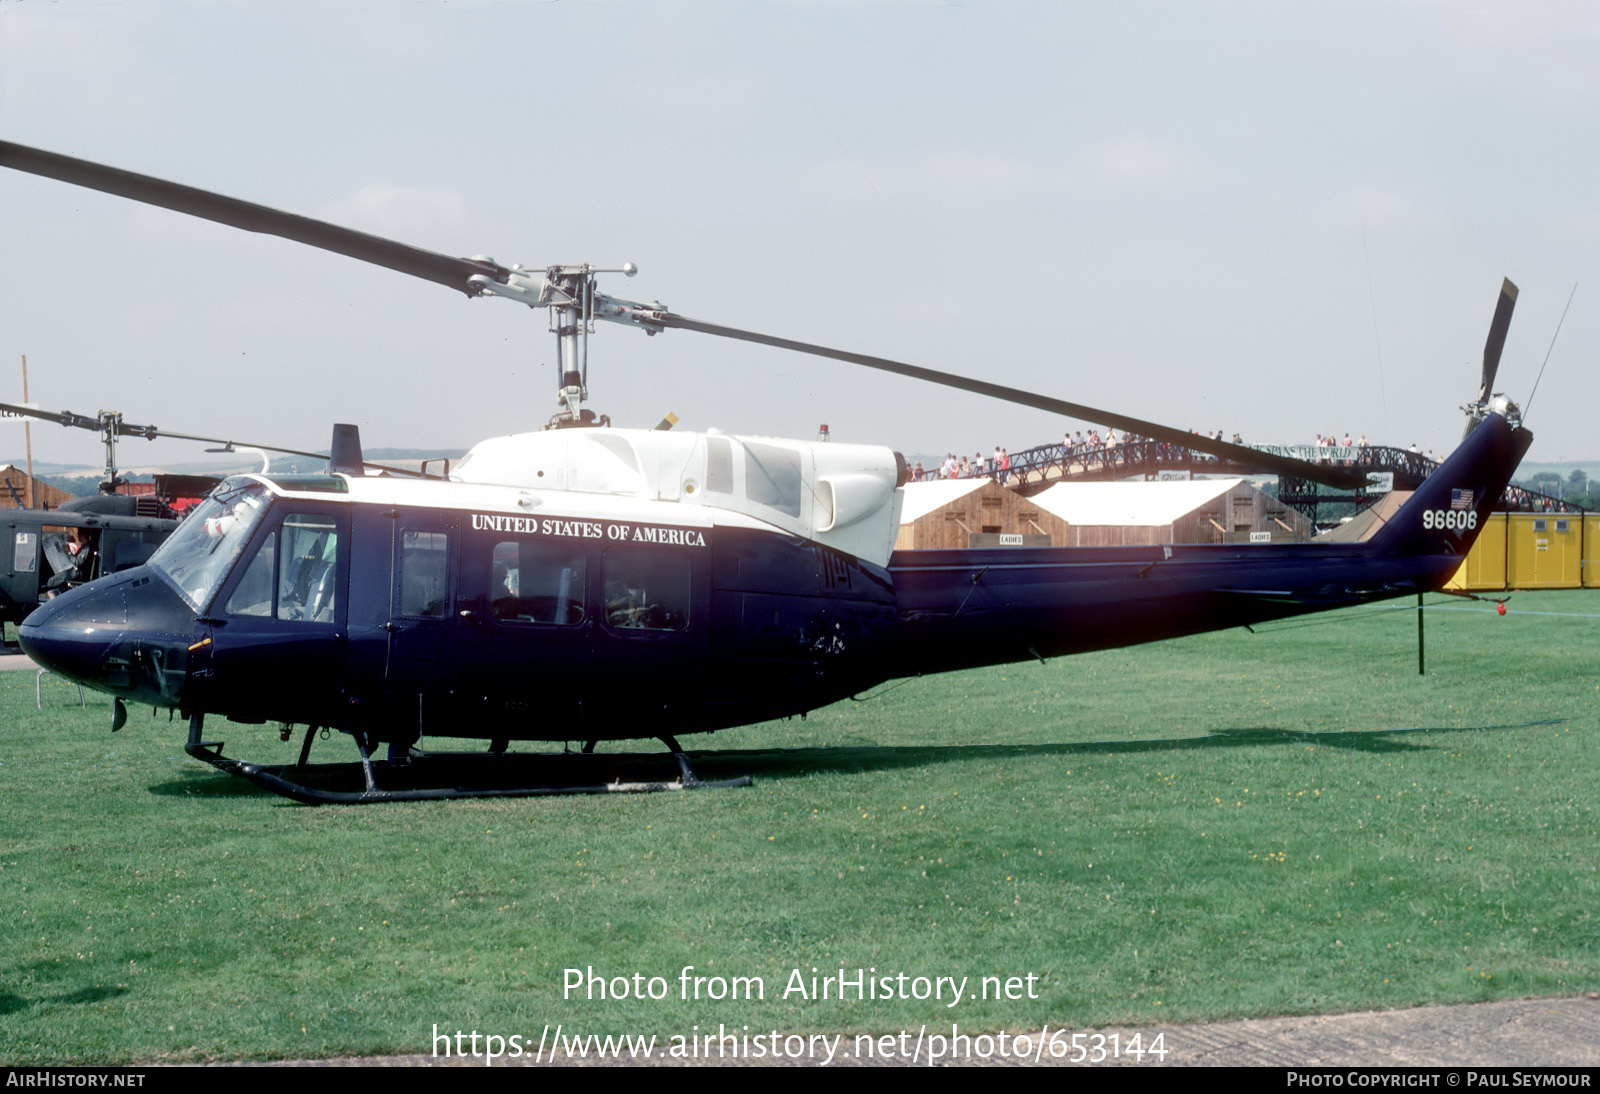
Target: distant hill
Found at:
1529, 469
81, 481
211, 464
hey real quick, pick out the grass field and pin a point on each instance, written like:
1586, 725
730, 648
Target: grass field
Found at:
1284, 822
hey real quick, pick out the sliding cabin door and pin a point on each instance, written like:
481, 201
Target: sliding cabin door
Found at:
422, 624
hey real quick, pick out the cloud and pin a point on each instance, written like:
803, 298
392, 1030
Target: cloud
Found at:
75, 64
1544, 52
1132, 164
1584, 226
693, 101
935, 179
1379, 212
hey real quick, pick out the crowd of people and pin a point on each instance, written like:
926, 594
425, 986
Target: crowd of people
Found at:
976, 466
1093, 448
1077, 447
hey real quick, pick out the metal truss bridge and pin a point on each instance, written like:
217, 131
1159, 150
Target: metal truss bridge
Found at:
1039, 468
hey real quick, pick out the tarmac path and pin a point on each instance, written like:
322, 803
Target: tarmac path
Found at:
1532, 1033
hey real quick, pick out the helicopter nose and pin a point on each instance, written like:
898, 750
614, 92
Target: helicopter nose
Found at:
127, 635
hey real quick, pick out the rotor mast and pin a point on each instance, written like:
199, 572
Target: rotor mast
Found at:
575, 304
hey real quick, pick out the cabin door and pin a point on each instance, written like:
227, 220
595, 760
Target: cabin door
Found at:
526, 663
421, 626
654, 631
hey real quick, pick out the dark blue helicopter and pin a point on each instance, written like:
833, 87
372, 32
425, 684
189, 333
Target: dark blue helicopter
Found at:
601, 584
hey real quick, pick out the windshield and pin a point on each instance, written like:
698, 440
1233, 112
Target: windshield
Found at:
203, 549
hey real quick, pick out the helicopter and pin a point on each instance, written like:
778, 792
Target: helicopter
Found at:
591, 583
52, 550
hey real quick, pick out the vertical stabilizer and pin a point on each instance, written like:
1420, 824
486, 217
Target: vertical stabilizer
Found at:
1447, 511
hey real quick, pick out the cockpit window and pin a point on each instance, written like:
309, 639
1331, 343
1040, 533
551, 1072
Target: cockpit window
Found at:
253, 594
308, 568
203, 549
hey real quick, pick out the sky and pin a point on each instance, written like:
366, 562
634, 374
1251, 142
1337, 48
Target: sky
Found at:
1276, 219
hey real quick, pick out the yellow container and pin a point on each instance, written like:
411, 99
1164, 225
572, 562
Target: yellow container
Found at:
1484, 568
1591, 550
1544, 550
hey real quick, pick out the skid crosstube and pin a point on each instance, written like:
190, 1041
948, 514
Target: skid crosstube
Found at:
448, 775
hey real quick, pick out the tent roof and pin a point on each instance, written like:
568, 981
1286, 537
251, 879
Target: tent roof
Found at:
1130, 503
922, 498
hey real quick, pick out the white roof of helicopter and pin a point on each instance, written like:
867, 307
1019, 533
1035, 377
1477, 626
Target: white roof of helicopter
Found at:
843, 496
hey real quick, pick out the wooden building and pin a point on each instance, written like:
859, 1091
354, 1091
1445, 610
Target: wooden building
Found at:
957, 513
14, 490
1110, 514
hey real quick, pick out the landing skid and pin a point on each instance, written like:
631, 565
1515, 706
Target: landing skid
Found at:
437, 776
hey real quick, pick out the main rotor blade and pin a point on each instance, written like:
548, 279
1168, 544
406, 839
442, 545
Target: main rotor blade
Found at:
428, 265
1497, 337
150, 433
277, 448
1281, 465
66, 418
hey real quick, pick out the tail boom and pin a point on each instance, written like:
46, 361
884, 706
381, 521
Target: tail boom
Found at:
965, 608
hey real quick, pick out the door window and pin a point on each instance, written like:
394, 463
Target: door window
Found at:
293, 575
646, 589
537, 582
26, 551
424, 574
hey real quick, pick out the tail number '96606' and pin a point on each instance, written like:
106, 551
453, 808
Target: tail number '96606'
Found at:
1454, 520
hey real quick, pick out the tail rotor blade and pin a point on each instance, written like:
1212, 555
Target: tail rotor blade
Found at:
1497, 338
